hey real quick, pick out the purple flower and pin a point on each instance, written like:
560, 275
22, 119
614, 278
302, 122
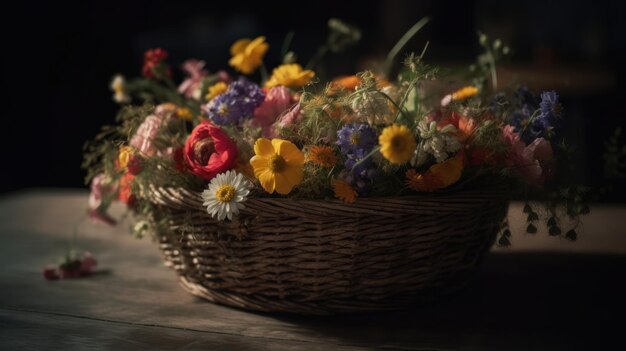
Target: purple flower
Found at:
361, 174
550, 109
544, 113
236, 104
356, 140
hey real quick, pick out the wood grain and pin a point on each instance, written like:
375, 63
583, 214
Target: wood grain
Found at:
522, 298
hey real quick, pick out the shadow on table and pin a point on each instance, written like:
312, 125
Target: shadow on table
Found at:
517, 300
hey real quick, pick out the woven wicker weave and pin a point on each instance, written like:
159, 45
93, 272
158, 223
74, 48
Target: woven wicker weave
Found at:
321, 257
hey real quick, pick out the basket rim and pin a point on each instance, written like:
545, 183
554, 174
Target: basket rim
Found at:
457, 198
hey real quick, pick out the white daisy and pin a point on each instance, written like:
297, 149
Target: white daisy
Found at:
225, 195
118, 85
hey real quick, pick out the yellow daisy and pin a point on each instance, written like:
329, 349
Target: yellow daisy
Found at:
397, 143
290, 75
464, 93
344, 191
322, 156
277, 165
184, 113
123, 157
215, 90
248, 54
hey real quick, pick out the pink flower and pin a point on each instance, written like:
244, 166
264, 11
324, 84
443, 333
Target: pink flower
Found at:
224, 76
529, 162
190, 87
145, 134
539, 152
102, 193
540, 149
290, 117
277, 101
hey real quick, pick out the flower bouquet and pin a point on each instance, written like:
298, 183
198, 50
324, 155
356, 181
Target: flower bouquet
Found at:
286, 192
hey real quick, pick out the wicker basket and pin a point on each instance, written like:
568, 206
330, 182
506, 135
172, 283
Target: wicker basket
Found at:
323, 257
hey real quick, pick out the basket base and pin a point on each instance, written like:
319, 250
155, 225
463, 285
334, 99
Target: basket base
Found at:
326, 307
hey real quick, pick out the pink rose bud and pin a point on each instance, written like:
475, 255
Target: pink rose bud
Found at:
51, 273
88, 263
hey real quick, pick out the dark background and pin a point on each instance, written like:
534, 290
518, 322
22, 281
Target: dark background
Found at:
58, 58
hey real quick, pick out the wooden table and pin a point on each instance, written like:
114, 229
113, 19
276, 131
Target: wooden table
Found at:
544, 293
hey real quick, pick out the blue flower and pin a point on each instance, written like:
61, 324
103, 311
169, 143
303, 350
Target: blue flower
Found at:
236, 104
356, 140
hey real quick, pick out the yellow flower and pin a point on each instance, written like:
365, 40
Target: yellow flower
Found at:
124, 156
322, 156
184, 113
248, 54
344, 191
277, 165
397, 144
464, 93
215, 90
290, 75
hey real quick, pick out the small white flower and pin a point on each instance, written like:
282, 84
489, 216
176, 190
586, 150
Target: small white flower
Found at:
440, 143
371, 106
141, 228
225, 195
118, 86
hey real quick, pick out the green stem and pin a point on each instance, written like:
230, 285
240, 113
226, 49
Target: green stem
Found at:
321, 52
374, 150
400, 109
391, 56
406, 97
286, 44
264, 74
492, 67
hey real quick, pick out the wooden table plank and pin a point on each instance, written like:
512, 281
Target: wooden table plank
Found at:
522, 297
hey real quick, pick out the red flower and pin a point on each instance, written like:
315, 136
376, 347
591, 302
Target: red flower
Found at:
209, 151
151, 59
125, 194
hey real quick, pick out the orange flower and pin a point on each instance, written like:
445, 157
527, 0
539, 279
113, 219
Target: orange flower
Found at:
450, 170
439, 176
322, 156
350, 83
466, 128
422, 182
344, 191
